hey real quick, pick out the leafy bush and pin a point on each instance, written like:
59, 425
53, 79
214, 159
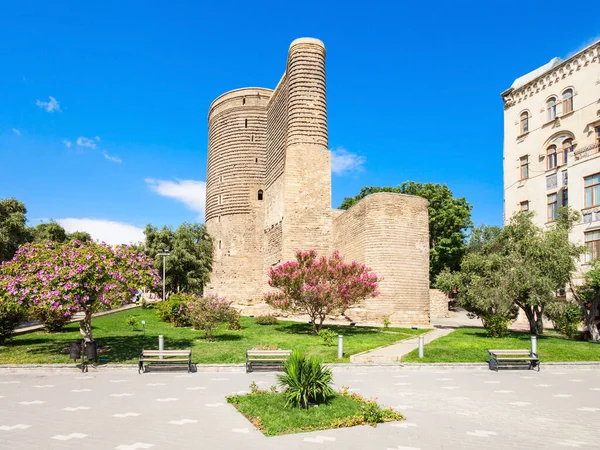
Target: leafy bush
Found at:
566, 317
371, 412
205, 313
234, 321
327, 336
386, 322
132, 321
305, 380
11, 315
53, 319
496, 324
173, 310
266, 320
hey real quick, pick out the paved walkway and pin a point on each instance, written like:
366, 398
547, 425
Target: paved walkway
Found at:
395, 352
444, 409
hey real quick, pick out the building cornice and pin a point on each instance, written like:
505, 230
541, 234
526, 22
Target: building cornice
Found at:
585, 57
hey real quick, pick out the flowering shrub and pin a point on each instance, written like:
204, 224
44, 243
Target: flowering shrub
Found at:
234, 321
74, 276
205, 313
53, 319
174, 310
319, 286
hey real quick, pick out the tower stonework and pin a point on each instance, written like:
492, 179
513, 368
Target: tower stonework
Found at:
268, 194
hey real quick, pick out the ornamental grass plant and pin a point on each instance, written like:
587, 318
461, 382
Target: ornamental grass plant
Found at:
305, 381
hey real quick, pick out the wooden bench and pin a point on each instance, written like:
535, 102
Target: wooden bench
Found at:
266, 359
164, 357
507, 357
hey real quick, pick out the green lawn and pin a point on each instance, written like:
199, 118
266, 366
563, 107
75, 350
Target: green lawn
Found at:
471, 344
121, 344
269, 414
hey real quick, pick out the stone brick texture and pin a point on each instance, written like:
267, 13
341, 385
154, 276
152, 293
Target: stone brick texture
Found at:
268, 194
438, 302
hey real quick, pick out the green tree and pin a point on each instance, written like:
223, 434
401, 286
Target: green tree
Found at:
51, 231
587, 297
521, 265
82, 236
449, 221
482, 237
13, 227
189, 264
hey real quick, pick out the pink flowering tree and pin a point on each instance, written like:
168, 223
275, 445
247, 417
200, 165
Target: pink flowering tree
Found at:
319, 286
206, 313
75, 277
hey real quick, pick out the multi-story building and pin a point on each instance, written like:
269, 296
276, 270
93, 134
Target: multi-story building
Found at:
552, 143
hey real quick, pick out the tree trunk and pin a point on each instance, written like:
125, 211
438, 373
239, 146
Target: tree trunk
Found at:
533, 322
539, 312
85, 326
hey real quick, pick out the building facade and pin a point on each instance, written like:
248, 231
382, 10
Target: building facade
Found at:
268, 194
552, 142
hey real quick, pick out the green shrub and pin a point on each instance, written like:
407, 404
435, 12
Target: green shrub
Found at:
173, 310
327, 336
266, 320
11, 316
566, 317
496, 325
53, 319
205, 313
132, 321
386, 322
234, 321
305, 380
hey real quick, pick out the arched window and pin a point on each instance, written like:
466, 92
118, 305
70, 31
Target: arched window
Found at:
567, 145
551, 109
551, 157
524, 120
260, 194
567, 101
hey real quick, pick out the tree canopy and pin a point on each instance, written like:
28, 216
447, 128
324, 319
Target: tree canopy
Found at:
449, 221
13, 227
191, 254
520, 265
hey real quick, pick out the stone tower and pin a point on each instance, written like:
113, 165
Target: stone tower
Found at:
268, 194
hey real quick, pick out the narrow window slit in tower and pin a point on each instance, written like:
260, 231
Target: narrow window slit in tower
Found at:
252, 138
219, 245
243, 100
246, 123
255, 160
260, 194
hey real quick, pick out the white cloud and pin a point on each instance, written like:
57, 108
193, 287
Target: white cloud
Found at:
105, 230
17, 132
97, 138
191, 193
86, 142
114, 159
67, 143
585, 44
343, 161
50, 106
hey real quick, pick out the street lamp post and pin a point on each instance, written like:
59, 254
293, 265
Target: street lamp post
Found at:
164, 254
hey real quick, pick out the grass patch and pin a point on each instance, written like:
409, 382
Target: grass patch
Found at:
269, 413
471, 344
122, 344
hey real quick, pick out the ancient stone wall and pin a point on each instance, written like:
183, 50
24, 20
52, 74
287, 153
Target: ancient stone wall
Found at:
390, 234
438, 302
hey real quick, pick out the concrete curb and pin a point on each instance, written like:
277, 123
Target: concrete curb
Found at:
241, 368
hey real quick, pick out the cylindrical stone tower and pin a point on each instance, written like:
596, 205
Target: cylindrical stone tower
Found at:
307, 214
234, 191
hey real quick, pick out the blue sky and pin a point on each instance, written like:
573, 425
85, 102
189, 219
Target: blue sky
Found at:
103, 106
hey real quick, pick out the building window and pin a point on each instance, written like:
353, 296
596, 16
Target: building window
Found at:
220, 199
551, 109
524, 120
260, 194
567, 101
598, 139
525, 206
524, 167
552, 208
219, 245
592, 190
246, 123
567, 146
592, 242
243, 100
551, 157
565, 197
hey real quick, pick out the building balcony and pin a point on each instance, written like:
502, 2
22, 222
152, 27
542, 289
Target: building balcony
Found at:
587, 151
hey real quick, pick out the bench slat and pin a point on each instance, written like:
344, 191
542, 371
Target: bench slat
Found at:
268, 352
518, 359
165, 360
500, 352
166, 352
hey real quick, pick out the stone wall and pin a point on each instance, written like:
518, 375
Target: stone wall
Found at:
390, 234
438, 302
